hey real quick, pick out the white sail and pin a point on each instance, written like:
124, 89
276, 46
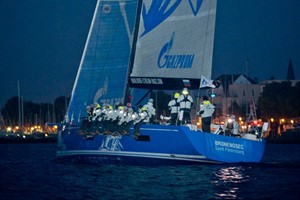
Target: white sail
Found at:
175, 42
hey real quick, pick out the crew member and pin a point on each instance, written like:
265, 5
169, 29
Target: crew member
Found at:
206, 111
143, 117
185, 103
174, 107
232, 127
150, 110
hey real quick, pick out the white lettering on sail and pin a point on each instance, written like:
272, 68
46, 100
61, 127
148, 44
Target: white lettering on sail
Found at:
168, 60
155, 81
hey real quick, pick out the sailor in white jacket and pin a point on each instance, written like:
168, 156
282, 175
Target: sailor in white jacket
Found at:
185, 103
150, 111
174, 108
206, 111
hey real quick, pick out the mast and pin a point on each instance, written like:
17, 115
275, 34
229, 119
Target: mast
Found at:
19, 104
22, 113
127, 92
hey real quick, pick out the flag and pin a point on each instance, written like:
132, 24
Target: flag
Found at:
206, 83
186, 83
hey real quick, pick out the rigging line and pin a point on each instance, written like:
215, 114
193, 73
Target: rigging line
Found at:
243, 32
206, 31
73, 103
123, 11
5, 109
99, 17
127, 89
246, 53
207, 24
113, 39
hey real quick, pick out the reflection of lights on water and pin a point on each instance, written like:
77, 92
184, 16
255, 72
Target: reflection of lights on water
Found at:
231, 176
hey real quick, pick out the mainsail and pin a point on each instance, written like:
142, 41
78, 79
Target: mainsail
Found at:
174, 44
103, 68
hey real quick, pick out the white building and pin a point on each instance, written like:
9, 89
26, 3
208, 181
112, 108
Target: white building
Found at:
235, 89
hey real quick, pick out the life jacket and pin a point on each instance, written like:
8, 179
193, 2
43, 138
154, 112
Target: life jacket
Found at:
185, 102
150, 109
207, 109
174, 106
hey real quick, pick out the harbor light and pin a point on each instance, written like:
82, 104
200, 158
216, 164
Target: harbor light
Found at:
244, 127
8, 129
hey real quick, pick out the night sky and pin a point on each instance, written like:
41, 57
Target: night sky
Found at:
41, 43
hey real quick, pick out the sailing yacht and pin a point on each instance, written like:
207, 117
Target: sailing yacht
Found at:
135, 46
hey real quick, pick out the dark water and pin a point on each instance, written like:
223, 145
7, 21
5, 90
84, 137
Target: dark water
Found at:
29, 171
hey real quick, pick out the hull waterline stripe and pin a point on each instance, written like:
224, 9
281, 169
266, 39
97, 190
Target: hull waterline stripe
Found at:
136, 154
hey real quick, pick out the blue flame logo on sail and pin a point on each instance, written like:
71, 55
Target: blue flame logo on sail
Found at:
196, 8
160, 10
168, 60
101, 92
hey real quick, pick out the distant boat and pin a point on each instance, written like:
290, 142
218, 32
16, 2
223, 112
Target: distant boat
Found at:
160, 45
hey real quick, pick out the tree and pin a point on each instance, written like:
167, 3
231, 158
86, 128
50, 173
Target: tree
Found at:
237, 110
60, 107
10, 111
280, 100
33, 113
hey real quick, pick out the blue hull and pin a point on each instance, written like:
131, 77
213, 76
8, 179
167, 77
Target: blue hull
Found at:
157, 145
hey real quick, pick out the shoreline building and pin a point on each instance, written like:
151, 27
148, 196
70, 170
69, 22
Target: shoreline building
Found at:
234, 95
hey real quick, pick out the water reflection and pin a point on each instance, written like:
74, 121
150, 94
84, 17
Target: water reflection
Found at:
231, 175
229, 179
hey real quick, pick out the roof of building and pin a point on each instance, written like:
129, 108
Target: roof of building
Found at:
229, 79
